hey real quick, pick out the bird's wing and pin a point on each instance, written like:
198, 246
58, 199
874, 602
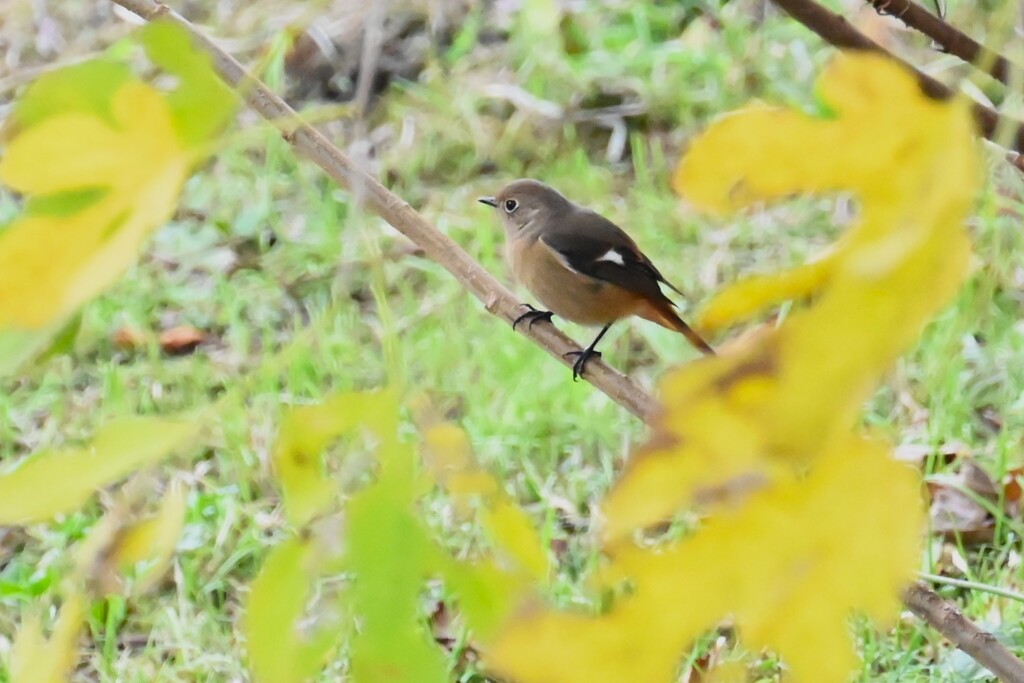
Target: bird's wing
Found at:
594, 246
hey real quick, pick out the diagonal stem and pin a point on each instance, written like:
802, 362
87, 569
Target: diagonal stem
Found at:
948, 620
368, 191
948, 37
836, 30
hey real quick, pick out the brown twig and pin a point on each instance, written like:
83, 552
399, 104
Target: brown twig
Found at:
948, 620
949, 38
839, 32
312, 144
943, 616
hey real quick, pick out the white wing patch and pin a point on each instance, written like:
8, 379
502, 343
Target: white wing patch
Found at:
613, 256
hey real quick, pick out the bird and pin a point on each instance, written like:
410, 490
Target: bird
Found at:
580, 266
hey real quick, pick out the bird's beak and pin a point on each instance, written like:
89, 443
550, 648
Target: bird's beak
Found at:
489, 201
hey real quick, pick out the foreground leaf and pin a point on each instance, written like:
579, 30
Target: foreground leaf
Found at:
101, 158
55, 482
305, 434
807, 522
153, 540
789, 567
279, 650
779, 399
37, 659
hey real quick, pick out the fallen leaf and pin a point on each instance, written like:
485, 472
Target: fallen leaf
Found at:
990, 418
979, 481
180, 340
1012, 491
955, 511
919, 454
128, 338
912, 453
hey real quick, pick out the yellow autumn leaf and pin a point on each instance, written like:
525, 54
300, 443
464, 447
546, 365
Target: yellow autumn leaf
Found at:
762, 154
512, 533
51, 264
101, 158
492, 584
37, 659
815, 549
152, 540
306, 431
50, 483
764, 435
779, 399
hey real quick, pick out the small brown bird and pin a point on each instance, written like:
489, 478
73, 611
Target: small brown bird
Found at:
580, 265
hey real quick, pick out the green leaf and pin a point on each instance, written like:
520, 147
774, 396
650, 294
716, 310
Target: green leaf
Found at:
88, 87
18, 347
64, 341
201, 104
54, 482
390, 552
305, 433
279, 652
64, 204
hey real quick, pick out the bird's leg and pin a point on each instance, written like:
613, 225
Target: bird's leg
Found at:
532, 315
586, 354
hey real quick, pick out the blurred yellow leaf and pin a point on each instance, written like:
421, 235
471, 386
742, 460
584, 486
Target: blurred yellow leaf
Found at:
806, 519
50, 483
153, 540
279, 649
789, 566
387, 549
306, 432
37, 659
50, 264
906, 204
510, 530
780, 398
101, 158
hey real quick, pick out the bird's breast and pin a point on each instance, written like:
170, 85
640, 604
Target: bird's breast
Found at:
565, 292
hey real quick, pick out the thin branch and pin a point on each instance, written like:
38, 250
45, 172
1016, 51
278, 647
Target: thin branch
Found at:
836, 30
949, 38
942, 615
948, 620
366, 189
972, 585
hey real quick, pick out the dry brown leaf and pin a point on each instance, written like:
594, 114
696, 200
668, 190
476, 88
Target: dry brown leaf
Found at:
180, 340
955, 510
128, 338
1012, 491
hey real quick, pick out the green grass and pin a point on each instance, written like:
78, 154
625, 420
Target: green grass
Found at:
338, 288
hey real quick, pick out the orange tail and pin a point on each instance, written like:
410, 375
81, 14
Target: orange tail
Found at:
664, 314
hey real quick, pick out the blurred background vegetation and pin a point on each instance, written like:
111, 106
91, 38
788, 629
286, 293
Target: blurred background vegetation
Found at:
446, 100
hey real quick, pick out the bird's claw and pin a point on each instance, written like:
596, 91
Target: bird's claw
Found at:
581, 360
532, 315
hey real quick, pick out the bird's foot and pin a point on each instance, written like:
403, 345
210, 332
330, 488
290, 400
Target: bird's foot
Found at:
581, 360
532, 315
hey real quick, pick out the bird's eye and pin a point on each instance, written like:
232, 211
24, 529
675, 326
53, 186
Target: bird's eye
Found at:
511, 205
